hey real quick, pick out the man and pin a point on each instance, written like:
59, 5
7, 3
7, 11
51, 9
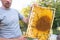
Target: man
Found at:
9, 22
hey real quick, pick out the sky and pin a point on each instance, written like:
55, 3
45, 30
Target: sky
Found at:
19, 4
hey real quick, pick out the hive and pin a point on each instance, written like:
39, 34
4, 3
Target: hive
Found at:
40, 23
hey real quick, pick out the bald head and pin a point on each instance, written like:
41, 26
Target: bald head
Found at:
6, 3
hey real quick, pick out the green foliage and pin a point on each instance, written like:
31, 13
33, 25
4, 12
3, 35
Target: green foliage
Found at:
58, 10
23, 25
57, 16
47, 3
26, 11
54, 24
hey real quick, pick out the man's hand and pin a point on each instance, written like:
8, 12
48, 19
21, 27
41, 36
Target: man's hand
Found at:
22, 38
25, 20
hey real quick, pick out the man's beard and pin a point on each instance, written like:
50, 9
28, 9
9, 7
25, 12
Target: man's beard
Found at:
7, 5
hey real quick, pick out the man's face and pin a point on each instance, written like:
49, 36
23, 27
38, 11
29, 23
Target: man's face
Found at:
6, 3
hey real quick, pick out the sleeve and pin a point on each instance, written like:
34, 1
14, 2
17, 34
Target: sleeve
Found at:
20, 16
